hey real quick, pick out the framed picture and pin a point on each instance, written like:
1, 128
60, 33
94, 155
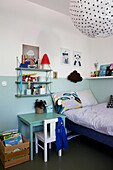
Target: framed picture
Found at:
103, 69
31, 53
55, 75
76, 58
65, 56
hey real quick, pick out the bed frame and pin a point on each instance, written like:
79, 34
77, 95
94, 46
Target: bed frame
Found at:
106, 139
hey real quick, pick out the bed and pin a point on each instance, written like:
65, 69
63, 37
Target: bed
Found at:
85, 116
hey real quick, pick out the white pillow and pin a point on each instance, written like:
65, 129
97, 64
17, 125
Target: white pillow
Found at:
86, 98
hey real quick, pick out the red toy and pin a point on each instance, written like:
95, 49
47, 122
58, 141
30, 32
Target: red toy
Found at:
29, 78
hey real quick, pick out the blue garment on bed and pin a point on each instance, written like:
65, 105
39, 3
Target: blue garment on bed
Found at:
61, 138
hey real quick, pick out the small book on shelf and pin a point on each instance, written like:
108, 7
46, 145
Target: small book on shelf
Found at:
109, 70
103, 69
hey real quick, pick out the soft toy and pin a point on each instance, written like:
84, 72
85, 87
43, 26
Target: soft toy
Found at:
77, 59
74, 77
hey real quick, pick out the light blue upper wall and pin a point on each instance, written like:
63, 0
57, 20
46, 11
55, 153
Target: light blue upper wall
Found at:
10, 105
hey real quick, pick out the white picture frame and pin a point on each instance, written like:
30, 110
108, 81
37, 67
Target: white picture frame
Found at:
77, 58
65, 56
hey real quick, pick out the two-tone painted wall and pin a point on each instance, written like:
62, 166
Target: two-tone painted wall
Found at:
23, 22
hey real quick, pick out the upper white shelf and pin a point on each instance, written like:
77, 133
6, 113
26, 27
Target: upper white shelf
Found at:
103, 77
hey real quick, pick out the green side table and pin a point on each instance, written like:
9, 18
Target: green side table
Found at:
33, 120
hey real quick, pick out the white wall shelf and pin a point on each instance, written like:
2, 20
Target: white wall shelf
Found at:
97, 78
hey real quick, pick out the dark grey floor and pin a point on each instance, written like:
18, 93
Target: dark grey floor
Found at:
82, 154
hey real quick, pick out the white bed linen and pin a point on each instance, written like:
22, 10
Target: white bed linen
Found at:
97, 117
